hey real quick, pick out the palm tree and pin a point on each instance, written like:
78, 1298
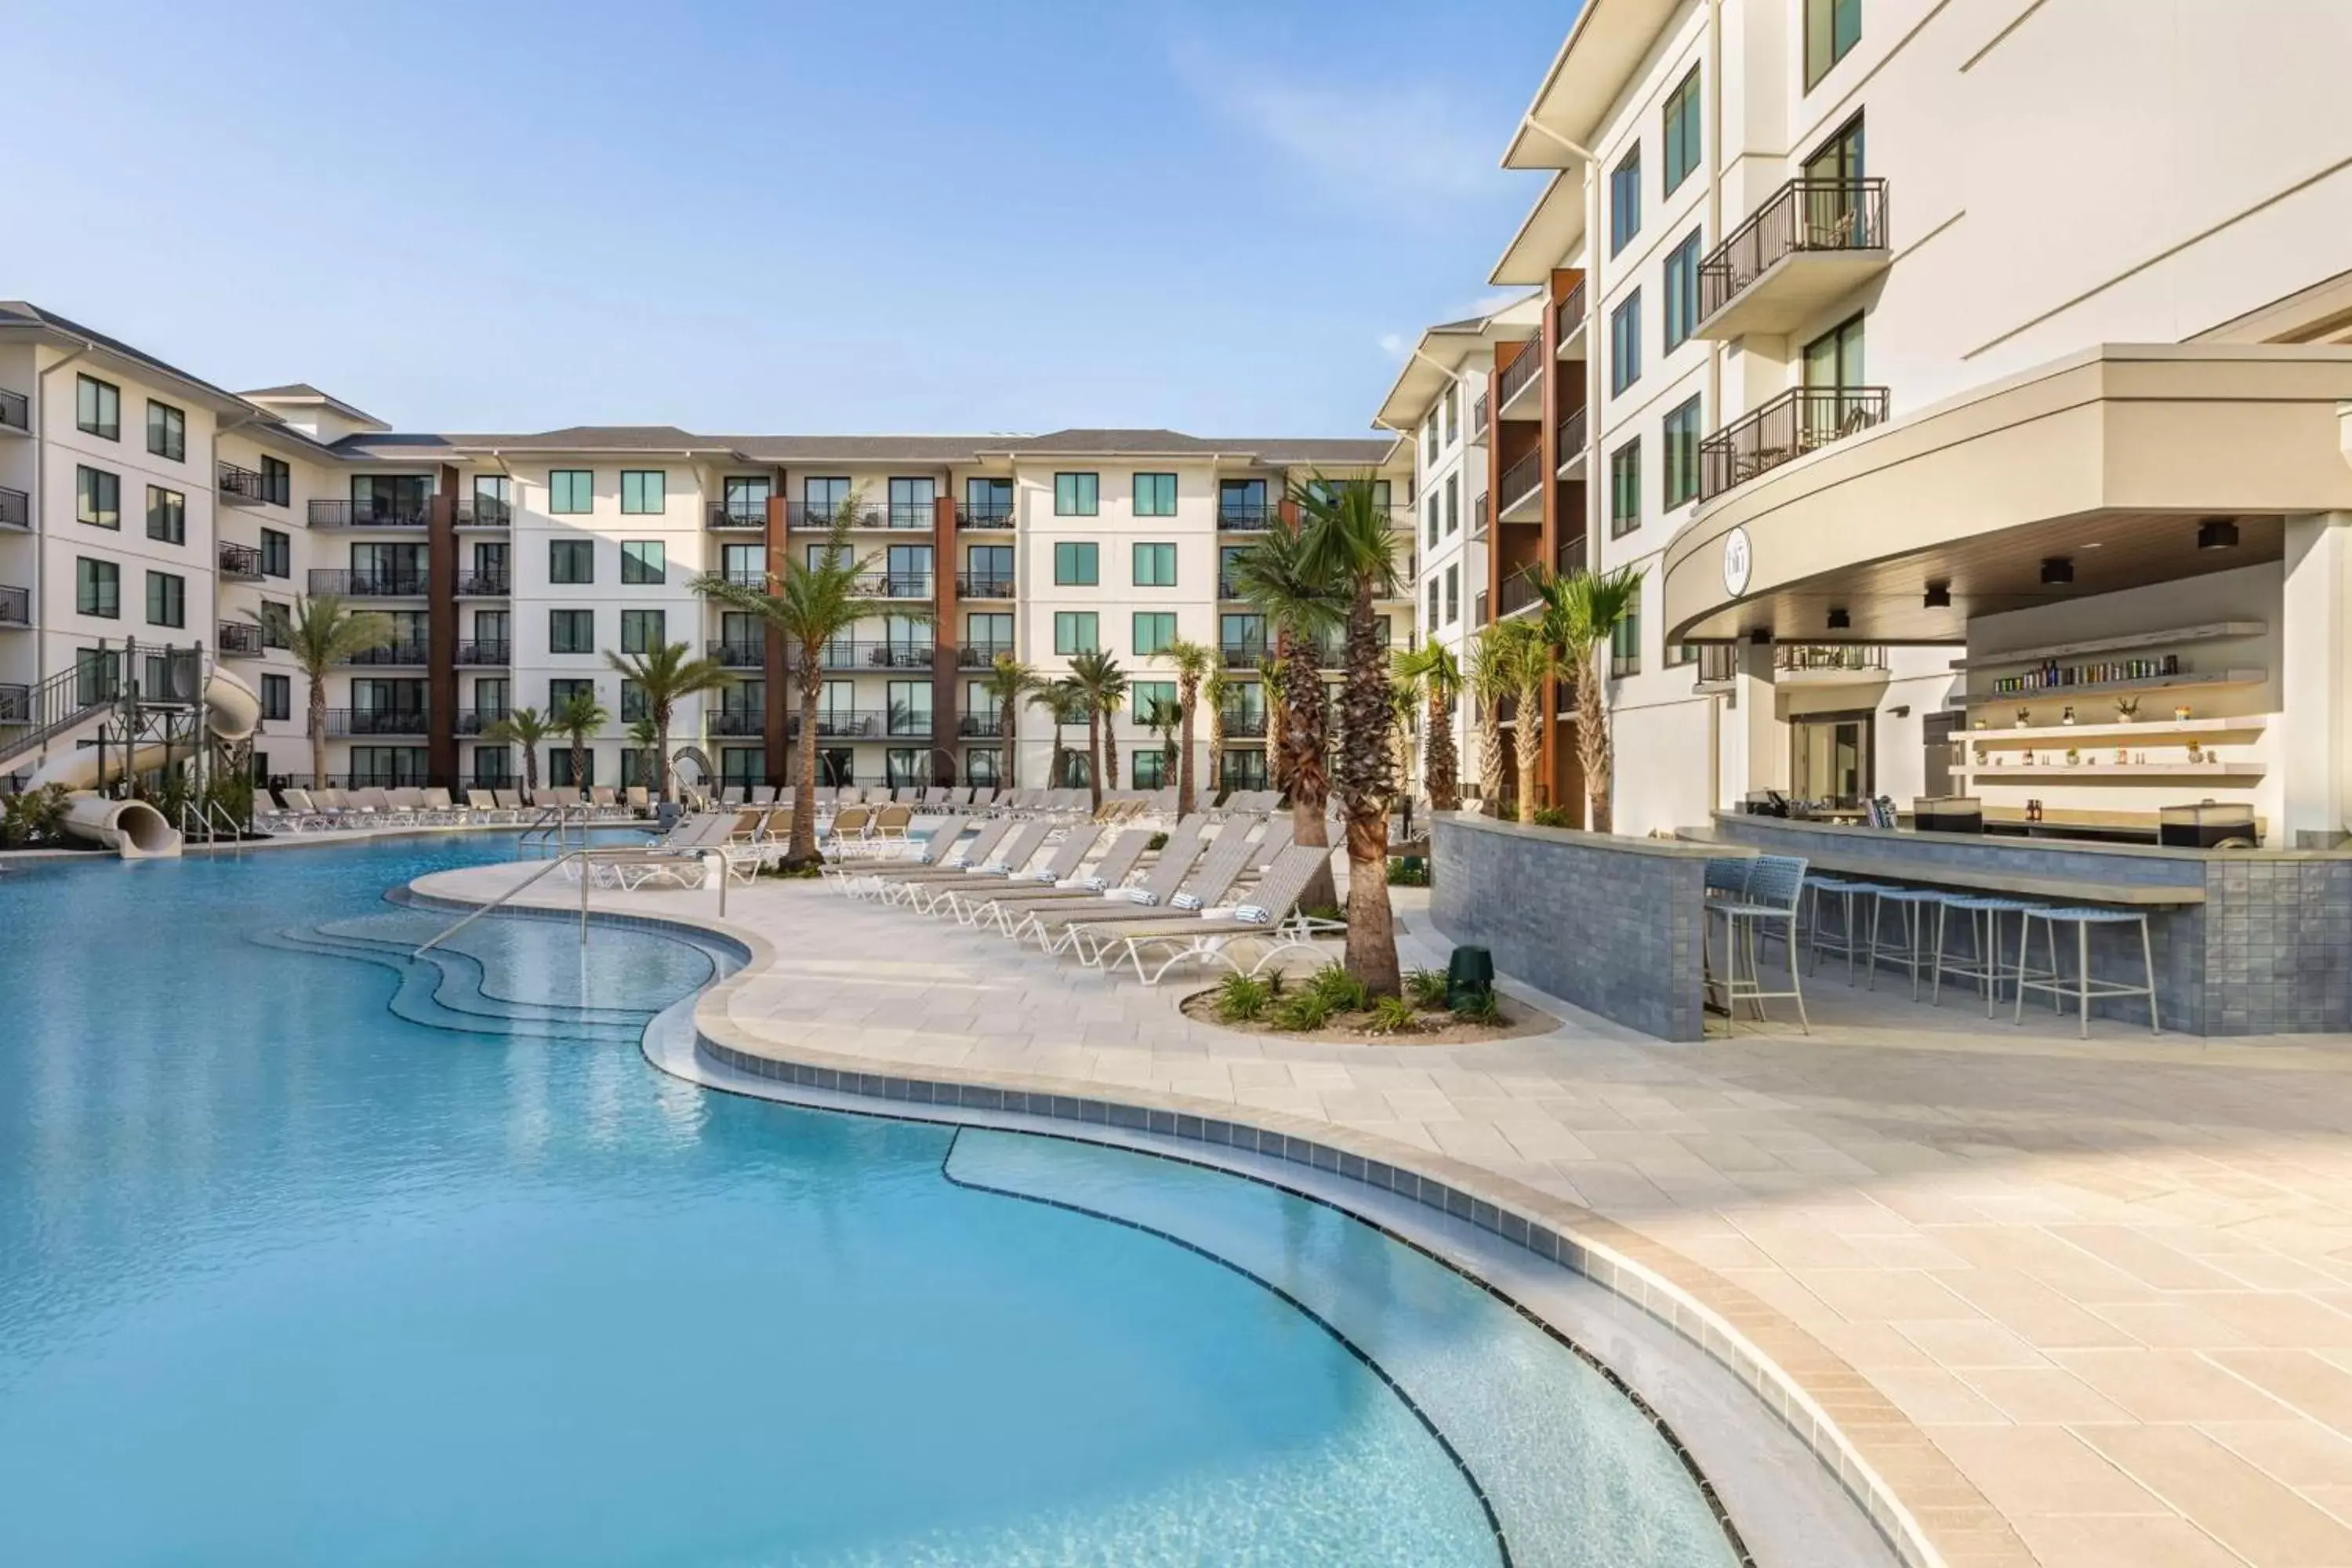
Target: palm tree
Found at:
1432, 666
811, 606
665, 673
1528, 665
1350, 542
322, 633
1489, 678
1275, 575
1215, 689
1163, 718
580, 717
1061, 698
1195, 663
1404, 710
524, 727
1582, 614
1102, 686
1008, 682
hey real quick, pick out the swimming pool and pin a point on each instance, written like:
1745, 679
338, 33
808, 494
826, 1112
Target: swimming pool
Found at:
310, 1253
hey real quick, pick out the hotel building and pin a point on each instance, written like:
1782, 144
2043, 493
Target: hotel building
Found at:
139, 501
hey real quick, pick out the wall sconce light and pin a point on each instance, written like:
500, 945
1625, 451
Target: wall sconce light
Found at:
2057, 571
1940, 596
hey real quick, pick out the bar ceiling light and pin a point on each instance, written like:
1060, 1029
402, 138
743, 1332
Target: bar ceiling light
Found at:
1940, 596
2057, 571
1840, 621
2216, 533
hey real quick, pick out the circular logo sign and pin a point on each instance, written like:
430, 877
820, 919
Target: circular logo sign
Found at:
1736, 562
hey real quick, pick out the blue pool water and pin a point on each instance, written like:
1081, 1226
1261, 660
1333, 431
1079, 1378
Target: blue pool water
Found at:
309, 1253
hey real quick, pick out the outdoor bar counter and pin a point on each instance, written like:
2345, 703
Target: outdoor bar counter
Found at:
2247, 942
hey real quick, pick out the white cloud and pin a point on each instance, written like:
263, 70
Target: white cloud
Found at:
1395, 345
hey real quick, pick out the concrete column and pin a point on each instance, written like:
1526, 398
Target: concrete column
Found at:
2315, 642
1765, 737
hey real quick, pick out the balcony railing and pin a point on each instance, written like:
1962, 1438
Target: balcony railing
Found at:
729, 516
484, 650
1247, 516
1478, 616
864, 724
367, 584
1478, 418
474, 720
1801, 215
981, 726
1793, 424
1522, 479
1246, 655
375, 721
871, 514
736, 654
1571, 556
392, 653
238, 640
988, 514
242, 485
982, 655
380, 512
893, 585
1805, 656
484, 584
15, 508
16, 606
486, 511
239, 563
984, 586
850, 654
1514, 377
15, 411
1571, 436
1719, 663
738, 722
1517, 593
1567, 316
16, 704
1481, 506
1244, 725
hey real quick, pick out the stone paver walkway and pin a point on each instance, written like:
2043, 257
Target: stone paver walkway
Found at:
2086, 1305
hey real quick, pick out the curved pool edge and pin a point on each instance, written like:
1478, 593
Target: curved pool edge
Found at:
1449, 1192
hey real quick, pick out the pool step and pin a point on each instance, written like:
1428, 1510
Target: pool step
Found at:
621, 976
420, 998
460, 987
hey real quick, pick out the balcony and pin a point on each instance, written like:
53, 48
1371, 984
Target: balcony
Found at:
850, 655
1478, 616
1522, 489
367, 584
238, 563
1828, 664
736, 517
1478, 421
16, 704
1244, 726
16, 606
980, 727
1568, 323
484, 584
486, 511
1512, 381
15, 508
379, 512
1247, 516
395, 654
15, 413
474, 720
984, 585
1797, 422
238, 640
1519, 593
982, 655
375, 721
988, 514
819, 516
1810, 243
241, 487
1246, 655
737, 722
863, 724
736, 654
484, 650
1718, 666
1481, 506
892, 586
1571, 436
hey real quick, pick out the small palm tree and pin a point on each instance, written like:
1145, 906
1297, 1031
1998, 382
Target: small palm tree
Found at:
1102, 686
665, 674
1404, 712
524, 727
1349, 544
1432, 667
580, 717
1008, 683
811, 604
1062, 698
1195, 663
1215, 691
1582, 614
1489, 681
1164, 719
321, 634
1275, 576
1528, 665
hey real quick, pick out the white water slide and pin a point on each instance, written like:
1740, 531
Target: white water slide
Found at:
132, 829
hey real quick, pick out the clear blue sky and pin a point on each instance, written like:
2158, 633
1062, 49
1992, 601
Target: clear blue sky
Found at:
888, 215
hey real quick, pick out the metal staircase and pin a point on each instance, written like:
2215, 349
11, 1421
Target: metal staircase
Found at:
63, 702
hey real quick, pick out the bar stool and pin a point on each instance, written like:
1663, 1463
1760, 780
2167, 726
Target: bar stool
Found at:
1983, 962
1910, 904
2085, 985
1846, 942
1774, 884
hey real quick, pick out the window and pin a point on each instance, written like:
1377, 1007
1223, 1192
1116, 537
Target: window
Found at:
493, 499
745, 498
572, 631
989, 634
643, 491
97, 497
1243, 638
1682, 132
167, 431
167, 515
167, 599
1076, 495
643, 561
1452, 593
820, 493
1839, 159
909, 710
571, 560
633, 700
1142, 694
1625, 642
740, 563
1429, 504
1155, 566
988, 500
559, 767
571, 490
1075, 631
1429, 438
1154, 629
1625, 200
1682, 454
1430, 620
277, 624
981, 765
1452, 504
1155, 495
642, 631
278, 696
1625, 488
1076, 563
562, 689
912, 502
1625, 343
1833, 359
1832, 28
98, 588
1453, 406
1244, 768
1151, 767
1682, 291
276, 554
277, 481
97, 408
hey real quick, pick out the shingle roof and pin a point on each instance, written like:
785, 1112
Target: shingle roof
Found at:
303, 391
24, 313
864, 448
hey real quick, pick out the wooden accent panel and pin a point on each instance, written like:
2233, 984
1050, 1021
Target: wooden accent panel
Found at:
441, 633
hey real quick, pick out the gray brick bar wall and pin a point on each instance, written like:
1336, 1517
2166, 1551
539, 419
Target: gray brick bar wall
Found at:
1611, 924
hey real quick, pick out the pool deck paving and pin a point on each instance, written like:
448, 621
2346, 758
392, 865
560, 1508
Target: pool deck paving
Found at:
2084, 1304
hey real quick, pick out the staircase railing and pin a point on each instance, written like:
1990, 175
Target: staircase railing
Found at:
587, 880
67, 699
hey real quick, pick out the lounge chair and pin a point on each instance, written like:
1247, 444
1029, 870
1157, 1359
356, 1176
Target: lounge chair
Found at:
1053, 925
439, 808
1219, 868
890, 823
682, 859
638, 799
1059, 867
511, 801
763, 795
1270, 922
1013, 854
936, 856
1012, 906
847, 820
482, 805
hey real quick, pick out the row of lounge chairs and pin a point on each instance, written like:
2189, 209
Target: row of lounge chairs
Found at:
1203, 897
306, 811
976, 800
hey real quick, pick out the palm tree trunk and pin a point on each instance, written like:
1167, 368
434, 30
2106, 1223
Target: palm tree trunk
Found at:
317, 734
579, 763
1528, 744
1442, 767
1005, 748
1094, 756
531, 771
802, 850
1187, 696
1110, 753
1490, 757
1365, 783
1593, 741
1216, 747
1305, 731
661, 753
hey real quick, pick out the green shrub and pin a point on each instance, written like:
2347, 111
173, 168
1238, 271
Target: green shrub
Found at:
1484, 1008
35, 819
1244, 998
1426, 988
1309, 1009
1157, 841
1393, 1016
1324, 912
1555, 816
1341, 990
1408, 871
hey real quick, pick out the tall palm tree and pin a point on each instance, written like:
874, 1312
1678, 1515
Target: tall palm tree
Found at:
1008, 683
810, 604
1102, 686
1489, 678
527, 728
1528, 664
1582, 614
1434, 668
1404, 712
1061, 698
666, 673
1195, 663
580, 717
1215, 689
321, 634
1164, 719
1275, 575
1350, 542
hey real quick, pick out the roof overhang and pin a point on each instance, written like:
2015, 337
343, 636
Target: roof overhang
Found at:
1553, 230
2111, 457
1602, 52
132, 366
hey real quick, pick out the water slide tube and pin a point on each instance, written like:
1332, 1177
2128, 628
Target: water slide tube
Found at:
132, 829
